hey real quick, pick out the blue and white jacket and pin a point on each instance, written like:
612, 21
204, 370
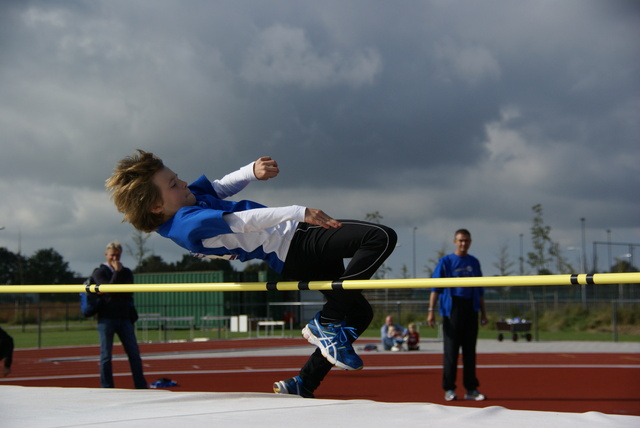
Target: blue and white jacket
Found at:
243, 230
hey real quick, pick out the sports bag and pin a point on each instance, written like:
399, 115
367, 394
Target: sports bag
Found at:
90, 303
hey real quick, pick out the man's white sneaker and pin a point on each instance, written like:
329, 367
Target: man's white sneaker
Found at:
474, 395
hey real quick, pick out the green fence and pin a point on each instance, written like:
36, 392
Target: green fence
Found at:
155, 308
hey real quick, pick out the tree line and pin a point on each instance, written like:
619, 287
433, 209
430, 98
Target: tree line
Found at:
547, 257
47, 266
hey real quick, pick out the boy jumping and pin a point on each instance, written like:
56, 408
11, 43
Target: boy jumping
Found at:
303, 244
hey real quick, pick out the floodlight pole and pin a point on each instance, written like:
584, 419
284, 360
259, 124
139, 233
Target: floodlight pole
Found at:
414, 250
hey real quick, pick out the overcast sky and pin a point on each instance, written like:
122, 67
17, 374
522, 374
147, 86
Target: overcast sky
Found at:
436, 114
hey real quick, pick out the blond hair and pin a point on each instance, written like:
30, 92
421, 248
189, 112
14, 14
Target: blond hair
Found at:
114, 245
133, 191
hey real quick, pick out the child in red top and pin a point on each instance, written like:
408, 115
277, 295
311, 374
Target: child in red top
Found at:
413, 338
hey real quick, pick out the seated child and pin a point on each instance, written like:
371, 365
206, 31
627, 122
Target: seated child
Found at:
413, 338
397, 338
388, 341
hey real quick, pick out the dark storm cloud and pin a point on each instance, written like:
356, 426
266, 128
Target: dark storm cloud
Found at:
432, 113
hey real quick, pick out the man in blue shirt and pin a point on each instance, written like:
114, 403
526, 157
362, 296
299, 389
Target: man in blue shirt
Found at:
459, 307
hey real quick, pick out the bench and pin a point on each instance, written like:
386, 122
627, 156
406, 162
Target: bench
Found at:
170, 324
269, 326
221, 323
143, 322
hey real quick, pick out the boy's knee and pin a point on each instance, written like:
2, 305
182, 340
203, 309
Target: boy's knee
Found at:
393, 236
388, 236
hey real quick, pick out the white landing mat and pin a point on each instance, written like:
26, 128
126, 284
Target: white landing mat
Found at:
43, 407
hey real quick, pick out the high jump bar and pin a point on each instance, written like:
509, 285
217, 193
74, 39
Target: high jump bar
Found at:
368, 284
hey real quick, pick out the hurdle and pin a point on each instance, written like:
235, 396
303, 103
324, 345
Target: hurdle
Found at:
368, 284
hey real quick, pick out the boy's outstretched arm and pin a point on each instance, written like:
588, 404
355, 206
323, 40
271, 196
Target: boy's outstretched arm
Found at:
265, 168
320, 218
232, 183
262, 218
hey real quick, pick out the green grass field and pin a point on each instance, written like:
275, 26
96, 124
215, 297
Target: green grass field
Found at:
62, 326
80, 333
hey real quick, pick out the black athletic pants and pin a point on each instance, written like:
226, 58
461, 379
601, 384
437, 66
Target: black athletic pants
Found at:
317, 254
460, 330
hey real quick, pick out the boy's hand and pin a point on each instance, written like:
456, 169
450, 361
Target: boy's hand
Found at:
265, 168
319, 218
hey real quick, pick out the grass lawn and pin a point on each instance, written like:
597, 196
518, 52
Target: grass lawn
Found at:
85, 333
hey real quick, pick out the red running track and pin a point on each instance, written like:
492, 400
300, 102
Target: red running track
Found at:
559, 382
